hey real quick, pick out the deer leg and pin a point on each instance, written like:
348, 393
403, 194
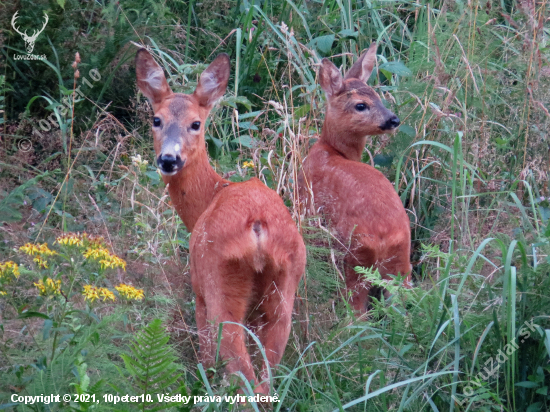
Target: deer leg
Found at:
226, 306
358, 288
206, 343
277, 309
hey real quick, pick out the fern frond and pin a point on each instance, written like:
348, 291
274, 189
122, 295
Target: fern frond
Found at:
152, 364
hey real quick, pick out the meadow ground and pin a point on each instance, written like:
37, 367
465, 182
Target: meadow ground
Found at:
470, 82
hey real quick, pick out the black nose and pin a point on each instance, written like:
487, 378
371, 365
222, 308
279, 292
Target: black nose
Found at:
169, 163
391, 123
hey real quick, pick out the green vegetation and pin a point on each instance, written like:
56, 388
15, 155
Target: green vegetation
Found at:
470, 82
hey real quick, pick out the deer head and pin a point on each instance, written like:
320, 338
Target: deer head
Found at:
29, 40
354, 107
179, 119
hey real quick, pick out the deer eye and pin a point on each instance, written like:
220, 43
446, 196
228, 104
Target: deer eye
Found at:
361, 107
156, 122
196, 125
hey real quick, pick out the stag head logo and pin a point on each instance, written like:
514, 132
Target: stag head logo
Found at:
29, 40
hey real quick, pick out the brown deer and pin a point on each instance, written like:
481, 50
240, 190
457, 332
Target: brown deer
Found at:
247, 255
357, 200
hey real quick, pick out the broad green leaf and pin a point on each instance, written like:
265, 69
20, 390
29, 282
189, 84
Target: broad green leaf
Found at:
323, 43
349, 33
396, 68
408, 130
245, 140
247, 126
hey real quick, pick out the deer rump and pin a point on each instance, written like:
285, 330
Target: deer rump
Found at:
246, 263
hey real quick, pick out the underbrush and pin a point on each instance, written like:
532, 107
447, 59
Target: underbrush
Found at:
470, 84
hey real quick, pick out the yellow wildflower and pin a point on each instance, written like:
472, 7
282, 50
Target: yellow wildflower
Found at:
129, 292
106, 294
70, 239
41, 262
90, 293
96, 253
2, 293
51, 287
39, 252
8, 269
35, 250
93, 242
105, 258
248, 164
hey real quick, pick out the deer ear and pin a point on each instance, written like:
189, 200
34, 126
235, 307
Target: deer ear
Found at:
213, 81
150, 78
363, 66
330, 78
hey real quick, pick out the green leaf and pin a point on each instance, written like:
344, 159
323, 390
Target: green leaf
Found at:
153, 175
30, 314
302, 111
383, 160
234, 100
534, 407
246, 141
528, 384
247, 126
61, 4
48, 323
323, 43
408, 130
396, 68
543, 391
10, 205
349, 33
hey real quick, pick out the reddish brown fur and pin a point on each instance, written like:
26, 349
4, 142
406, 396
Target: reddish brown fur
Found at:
360, 203
247, 256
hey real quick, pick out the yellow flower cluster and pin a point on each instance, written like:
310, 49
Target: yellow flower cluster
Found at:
248, 164
51, 287
129, 292
70, 239
105, 258
92, 293
93, 241
39, 252
9, 269
35, 250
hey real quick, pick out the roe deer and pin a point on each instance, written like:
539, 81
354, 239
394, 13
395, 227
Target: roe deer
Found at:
247, 256
357, 200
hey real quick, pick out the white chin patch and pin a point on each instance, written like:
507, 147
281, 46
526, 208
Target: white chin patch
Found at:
177, 148
169, 174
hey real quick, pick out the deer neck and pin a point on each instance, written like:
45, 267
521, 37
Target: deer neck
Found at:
337, 135
193, 188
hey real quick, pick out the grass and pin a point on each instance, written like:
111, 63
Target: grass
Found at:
469, 81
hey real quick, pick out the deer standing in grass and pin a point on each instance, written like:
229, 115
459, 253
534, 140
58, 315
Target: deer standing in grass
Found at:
358, 201
247, 255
